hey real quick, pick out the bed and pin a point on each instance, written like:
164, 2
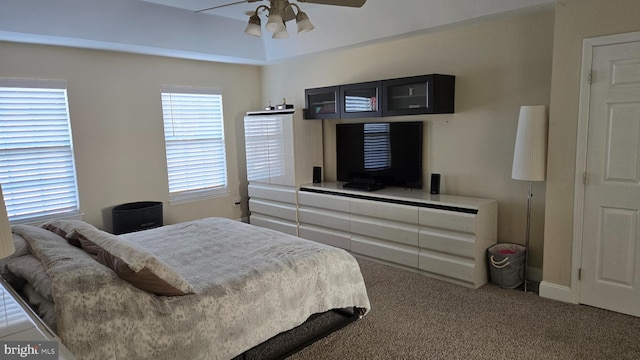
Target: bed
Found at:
206, 289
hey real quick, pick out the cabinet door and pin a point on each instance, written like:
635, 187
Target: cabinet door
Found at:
269, 148
322, 103
427, 94
361, 100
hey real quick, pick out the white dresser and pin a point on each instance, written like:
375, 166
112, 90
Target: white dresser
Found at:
442, 236
19, 323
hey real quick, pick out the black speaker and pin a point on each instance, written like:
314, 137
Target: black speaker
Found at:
317, 174
435, 183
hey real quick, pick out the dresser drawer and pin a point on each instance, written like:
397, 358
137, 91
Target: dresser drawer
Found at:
383, 229
273, 209
460, 244
328, 219
286, 227
395, 253
450, 220
322, 201
381, 210
449, 266
325, 236
272, 192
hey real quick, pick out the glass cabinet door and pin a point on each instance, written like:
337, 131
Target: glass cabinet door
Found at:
426, 94
322, 103
361, 100
408, 96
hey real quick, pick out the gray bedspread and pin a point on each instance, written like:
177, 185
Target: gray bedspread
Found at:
251, 284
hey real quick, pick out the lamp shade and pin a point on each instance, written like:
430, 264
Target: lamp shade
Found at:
253, 27
275, 23
530, 153
303, 22
281, 34
6, 237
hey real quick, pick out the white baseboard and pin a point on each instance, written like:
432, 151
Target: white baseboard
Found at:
556, 292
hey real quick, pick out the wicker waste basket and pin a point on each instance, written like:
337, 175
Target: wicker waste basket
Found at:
136, 216
506, 264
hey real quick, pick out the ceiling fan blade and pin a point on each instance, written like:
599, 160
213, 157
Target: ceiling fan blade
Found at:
225, 5
350, 3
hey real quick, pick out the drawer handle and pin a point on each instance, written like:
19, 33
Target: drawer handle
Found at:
499, 264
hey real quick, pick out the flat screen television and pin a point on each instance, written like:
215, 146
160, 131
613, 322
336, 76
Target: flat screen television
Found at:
371, 156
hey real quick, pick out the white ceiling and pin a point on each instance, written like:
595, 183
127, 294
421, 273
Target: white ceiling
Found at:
174, 28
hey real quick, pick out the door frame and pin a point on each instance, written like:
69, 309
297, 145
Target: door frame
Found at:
588, 46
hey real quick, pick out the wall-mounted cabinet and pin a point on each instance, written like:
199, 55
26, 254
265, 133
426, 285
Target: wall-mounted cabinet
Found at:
361, 100
426, 94
322, 103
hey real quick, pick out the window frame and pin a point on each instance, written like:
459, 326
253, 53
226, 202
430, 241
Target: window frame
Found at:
14, 200
201, 193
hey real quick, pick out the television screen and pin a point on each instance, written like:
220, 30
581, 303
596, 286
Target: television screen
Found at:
386, 153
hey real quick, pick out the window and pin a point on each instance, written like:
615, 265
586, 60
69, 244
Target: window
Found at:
194, 143
37, 169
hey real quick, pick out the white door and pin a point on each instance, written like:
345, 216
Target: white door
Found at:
610, 264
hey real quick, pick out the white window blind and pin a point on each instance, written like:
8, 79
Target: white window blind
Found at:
37, 169
264, 147
377, 147
359, 104
194, 143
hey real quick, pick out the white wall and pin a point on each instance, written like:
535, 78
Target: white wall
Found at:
575, 21
116, 120
499, 65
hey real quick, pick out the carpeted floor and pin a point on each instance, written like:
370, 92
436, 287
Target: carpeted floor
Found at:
415, 317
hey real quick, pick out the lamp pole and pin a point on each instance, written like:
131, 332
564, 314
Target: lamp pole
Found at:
526, 241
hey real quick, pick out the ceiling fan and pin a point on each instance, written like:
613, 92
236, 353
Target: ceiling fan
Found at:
281, 11
350, 3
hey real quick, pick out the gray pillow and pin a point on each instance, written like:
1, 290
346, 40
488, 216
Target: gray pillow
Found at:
136, 266
31, 269
22, 249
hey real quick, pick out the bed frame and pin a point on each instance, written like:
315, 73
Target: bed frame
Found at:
315, 328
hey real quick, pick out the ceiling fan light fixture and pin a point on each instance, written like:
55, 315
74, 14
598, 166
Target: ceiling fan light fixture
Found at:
275, 23
303, 22
279, 13
253, 27
281, 34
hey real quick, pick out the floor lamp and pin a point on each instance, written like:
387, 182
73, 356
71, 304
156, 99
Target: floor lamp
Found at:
6, 248
6, 237
529, 158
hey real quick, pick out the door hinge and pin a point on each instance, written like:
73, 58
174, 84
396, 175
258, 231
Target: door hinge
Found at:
580, 274
590, 76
